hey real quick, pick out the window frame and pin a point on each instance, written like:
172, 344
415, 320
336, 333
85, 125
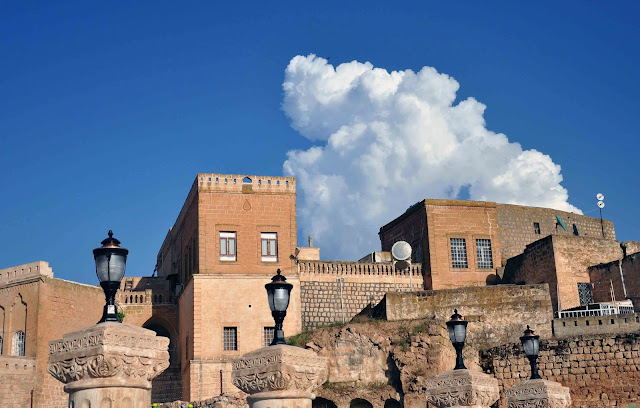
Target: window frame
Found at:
19, 339
228, 237
455, 262
270, 239
230, 343
480, 256
536, 228
266, 332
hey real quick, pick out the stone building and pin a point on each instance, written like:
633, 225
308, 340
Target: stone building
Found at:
35, 307
234, 231
474, 243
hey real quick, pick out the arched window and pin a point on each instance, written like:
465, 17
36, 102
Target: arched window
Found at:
18, 344
159, 298
1, 344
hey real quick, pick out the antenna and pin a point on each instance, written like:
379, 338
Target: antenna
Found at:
600, 204
401, 256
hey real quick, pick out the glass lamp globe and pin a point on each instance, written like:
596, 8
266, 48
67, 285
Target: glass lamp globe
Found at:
111, 260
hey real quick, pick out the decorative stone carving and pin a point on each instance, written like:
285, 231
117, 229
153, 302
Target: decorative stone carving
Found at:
279, 376
113, 361
462, 388
538, 394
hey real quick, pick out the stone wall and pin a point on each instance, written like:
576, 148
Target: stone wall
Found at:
612, 324
17, 381
64, 307
496, 314
337, 291
612, 274
517, 231
21, 272
601, 371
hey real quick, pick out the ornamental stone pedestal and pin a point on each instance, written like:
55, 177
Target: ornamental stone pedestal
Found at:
279, 376
108, 365
538, 393
462, 388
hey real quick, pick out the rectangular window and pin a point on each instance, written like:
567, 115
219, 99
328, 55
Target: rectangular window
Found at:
269, 332
458, 253
227, 246
584, 293
483, 251
230, 339
18, 344
536, 228
269, 241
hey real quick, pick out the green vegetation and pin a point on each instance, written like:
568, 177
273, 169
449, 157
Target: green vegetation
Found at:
300, 339
419, 328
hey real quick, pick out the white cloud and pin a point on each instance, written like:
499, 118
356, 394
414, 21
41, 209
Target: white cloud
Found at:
386, 140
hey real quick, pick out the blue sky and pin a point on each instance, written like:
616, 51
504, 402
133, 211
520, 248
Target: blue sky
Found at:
108, 110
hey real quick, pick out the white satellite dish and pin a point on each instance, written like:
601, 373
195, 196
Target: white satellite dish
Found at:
600, 204
401, 250
600, 196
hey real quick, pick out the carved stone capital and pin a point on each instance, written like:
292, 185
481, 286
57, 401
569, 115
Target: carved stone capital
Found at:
108, 355
462, 388
538, 394
279, 370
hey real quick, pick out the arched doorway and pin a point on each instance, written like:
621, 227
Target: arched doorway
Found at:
165, 387
320, 402
391, 403
360, 403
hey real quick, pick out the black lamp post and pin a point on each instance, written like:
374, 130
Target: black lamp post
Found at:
279, 293
111, 260
457, 334
531, 345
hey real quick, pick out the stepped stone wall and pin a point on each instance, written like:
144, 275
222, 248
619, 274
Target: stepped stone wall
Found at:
601, 371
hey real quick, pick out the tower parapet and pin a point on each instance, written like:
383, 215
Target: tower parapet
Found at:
239, 183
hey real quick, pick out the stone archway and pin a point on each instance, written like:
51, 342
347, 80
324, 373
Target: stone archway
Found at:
392, 403
320, 402
360, 403
167, 386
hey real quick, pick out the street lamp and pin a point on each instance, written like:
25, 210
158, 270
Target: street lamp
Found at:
279, 292
457, 334
531, 345
111, 260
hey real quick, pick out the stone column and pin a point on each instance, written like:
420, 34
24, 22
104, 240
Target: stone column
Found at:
279, 376
462, 388
538, 393
108, 365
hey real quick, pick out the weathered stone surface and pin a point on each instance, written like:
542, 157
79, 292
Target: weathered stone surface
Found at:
279, 376
538, 393
108, 362
462, 388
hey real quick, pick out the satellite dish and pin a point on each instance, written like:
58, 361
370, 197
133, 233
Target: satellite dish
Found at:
600, 204
402, 265
401, 250
600, 196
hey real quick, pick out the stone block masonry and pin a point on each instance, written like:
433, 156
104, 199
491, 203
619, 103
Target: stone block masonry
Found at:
517, 230
496, 314
601, 371
333, 292
17, 381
